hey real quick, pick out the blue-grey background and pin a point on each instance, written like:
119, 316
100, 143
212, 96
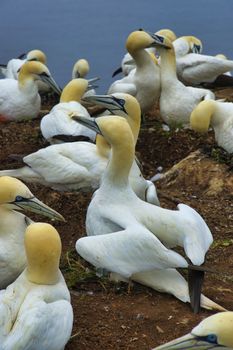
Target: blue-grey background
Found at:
97, 29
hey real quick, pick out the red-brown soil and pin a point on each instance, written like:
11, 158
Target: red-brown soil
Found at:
110, 316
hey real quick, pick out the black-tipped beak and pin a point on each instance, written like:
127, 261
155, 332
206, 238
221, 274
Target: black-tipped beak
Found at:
89, 123
91, 84
117, 71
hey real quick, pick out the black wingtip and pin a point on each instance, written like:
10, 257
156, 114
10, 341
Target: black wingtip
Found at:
118, 71
195, 281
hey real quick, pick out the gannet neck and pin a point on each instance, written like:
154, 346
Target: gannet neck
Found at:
37, 55
117, 132
167, 64
133, 116
43, 251
74, 90
81, 69
131, 111
221, 325
11, 187
167, 33
202, 114
103, 148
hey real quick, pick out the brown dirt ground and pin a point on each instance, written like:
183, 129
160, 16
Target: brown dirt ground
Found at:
108, 315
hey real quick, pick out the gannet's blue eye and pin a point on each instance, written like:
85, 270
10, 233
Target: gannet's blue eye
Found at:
121, 101
19, 199
212, 338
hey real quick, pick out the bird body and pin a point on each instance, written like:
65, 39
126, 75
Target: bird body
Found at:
20, 99
219, 115
18, 103
59, 122
35, 310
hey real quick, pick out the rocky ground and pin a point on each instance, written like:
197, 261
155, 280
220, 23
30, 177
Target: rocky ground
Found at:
108, 315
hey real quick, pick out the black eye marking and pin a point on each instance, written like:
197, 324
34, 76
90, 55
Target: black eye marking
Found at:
44, 74
121, 102
160, 38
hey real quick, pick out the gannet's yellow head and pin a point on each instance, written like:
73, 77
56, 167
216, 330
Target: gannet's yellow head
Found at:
43, 251
123, 105
138, 40
167, 33
74, 90
33, 70
213, 332
194, 43
37, 55
14, 195
80, 69
201, 115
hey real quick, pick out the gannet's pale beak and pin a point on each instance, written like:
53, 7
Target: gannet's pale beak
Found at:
188, 341
158, 40
108, 101
90, 83
117, 71
36, 206
50, 81
89, 123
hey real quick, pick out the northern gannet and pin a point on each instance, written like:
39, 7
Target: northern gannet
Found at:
126, 106
15, 197
144, 82
214, 332
176, 100
80, 69
11, 70
195, 68
19, 99
218, 115
58, 126
35, 310
128, 63
80, 165
185, 45
132, 238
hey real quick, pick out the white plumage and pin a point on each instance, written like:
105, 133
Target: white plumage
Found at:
59, 123
128, 236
